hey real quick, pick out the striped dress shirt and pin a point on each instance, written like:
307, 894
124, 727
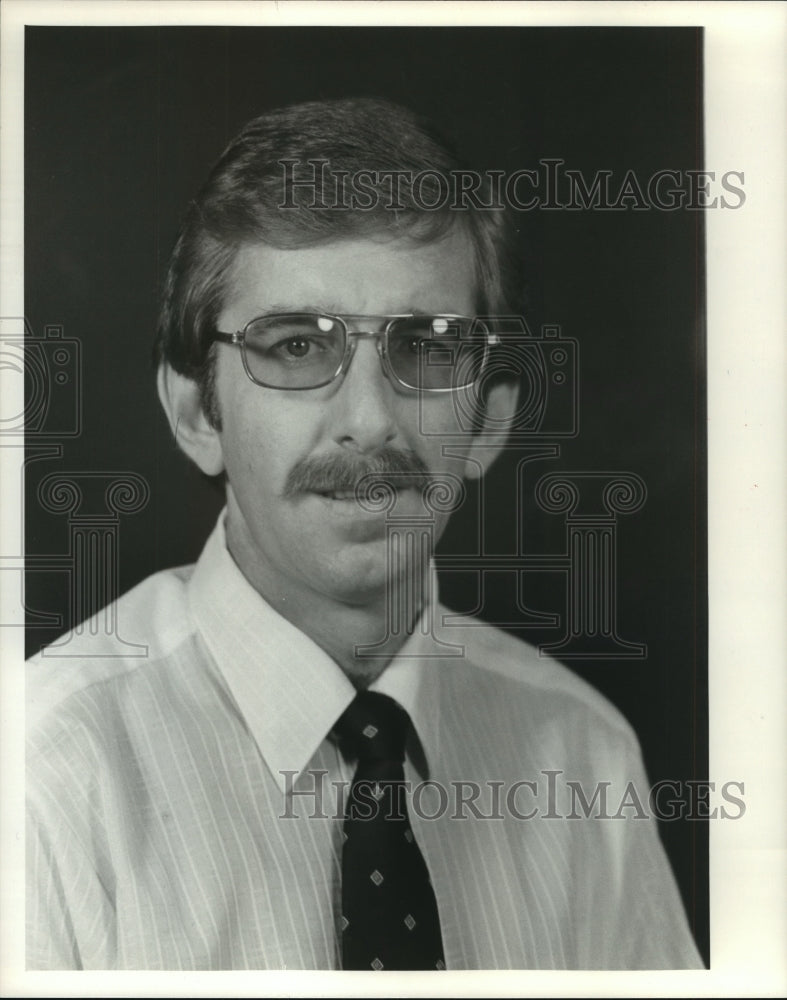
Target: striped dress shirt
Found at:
185, 807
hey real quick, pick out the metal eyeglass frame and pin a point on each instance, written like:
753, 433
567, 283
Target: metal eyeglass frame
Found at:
351, 337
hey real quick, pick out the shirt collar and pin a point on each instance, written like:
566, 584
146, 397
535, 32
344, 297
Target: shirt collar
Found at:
289, 691
413, 679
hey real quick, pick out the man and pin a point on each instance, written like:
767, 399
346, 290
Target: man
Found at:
252, 795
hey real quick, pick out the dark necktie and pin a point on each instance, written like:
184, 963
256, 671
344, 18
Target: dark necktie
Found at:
389, 915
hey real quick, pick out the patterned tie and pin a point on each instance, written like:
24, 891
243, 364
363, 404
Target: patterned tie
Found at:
389, 914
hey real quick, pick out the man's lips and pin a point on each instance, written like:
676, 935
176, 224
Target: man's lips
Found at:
359, 494
337, 494
369, 486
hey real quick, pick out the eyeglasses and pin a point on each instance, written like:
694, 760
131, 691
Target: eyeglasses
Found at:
435, 353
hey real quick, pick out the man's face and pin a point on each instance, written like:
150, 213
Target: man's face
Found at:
292, 543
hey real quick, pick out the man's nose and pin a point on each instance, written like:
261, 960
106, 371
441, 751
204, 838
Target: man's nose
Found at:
364, 419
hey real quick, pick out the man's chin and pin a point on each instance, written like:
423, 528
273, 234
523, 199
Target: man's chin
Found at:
365, 574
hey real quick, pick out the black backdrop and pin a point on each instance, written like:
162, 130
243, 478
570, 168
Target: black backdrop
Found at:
121, 125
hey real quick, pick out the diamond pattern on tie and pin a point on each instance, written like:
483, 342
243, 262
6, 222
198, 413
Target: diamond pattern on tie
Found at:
390, 919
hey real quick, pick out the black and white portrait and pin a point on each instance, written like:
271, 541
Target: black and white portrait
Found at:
364, 563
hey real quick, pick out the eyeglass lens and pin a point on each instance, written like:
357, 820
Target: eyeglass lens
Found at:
424, 352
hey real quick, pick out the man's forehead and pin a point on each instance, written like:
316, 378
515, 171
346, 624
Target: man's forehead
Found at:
355, 275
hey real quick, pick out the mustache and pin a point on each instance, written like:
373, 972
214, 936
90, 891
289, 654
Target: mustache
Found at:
333, 473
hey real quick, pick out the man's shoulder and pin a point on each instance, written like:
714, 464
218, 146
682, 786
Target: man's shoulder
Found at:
510, 670
134, 633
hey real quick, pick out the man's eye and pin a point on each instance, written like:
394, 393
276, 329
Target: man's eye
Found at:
407, 345
296, 347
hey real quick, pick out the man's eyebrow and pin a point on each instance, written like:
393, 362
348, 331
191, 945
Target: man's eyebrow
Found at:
275, 309
290, 308
331, 310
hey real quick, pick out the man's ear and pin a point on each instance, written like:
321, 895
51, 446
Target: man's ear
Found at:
180, 397
497, 419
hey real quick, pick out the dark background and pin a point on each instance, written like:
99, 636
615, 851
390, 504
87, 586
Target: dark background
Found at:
122, 125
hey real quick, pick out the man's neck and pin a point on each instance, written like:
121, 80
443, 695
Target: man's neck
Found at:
346, 633
359, 637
